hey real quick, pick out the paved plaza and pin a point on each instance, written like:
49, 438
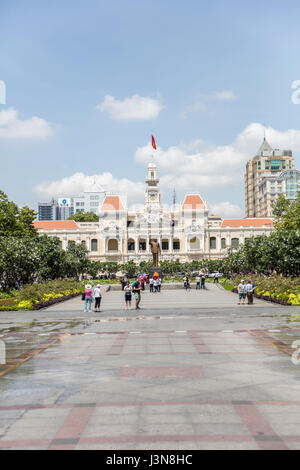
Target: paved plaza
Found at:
190, 370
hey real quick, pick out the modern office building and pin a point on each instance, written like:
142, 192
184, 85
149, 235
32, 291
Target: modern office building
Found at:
268, 163
286, 183
60, 209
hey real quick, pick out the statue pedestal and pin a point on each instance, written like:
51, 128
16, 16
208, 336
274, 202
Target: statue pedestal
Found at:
153, 270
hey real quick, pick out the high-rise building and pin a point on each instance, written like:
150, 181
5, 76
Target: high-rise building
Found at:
268, 163
60, 209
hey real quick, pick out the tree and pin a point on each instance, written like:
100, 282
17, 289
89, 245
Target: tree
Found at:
52, 257
84, 217
76, 260
15, 221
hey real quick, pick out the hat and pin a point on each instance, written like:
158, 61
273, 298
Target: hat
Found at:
88, 286
242, 280
98, 285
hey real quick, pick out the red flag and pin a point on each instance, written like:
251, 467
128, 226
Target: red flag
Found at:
153, 143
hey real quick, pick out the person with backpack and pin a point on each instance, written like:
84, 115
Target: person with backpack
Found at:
88, 298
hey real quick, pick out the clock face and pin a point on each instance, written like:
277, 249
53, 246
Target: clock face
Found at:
152, 195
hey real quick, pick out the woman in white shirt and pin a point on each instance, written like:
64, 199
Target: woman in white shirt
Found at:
97, 297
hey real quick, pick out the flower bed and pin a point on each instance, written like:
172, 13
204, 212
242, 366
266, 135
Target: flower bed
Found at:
275, 288
37, 296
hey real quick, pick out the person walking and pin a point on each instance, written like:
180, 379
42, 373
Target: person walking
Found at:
198, 282
216, 278
242, 292
136, 289
151, 283
88, 298
97, 297
128, 291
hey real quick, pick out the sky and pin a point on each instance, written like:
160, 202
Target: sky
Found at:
84, 85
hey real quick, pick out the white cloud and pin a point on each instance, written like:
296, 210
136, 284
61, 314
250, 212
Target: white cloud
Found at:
224, 95
135, 108
203, 102
12, 127
79, 182
226, 210
200, 165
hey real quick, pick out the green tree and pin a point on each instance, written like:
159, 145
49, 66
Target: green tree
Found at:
15, 221
84, 217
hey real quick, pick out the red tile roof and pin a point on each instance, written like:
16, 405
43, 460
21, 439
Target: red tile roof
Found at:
55, 225
112, 203
193, 201
247, 222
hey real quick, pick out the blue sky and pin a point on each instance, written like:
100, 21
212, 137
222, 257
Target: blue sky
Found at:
213, 74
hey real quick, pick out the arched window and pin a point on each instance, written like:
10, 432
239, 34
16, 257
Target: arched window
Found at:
83, 243
223, 243
234, 243
212, 243
113, 245
94, 245
194, 243
131, 245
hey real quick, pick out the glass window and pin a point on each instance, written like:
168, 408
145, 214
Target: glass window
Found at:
283, 164
267, 164
258, 165
234, 242
176, 245
212, 243
94, 244
290, 163
142, 246
131, 246
275, 165
165, 245
223, 243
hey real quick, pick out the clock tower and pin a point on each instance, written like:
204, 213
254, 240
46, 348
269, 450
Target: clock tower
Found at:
152, 194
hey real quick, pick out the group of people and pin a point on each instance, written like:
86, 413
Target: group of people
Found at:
91, 294
200, 282
246, 290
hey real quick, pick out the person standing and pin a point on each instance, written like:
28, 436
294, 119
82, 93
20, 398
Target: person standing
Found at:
88, 298
242, 292
216, 278
97, 297
249, 292
159, 284
128, 291
202, 281
151, 283
136, 289
197, 281
155, 284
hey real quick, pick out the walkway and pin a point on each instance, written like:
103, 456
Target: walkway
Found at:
189, 371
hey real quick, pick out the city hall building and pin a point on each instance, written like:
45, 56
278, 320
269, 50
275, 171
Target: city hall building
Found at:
184, 231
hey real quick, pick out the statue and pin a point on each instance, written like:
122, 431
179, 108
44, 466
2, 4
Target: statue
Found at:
155, 250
